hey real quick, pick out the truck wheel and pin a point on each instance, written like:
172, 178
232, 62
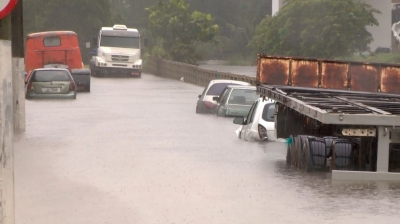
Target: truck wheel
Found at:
307, 157
293, 152
342, 151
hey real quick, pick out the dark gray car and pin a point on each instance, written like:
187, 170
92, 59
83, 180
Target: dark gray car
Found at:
50, 83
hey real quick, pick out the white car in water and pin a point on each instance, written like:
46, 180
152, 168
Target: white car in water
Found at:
206, 102
259, 125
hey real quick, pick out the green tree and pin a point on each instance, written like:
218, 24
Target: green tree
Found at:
174, 30
316, 28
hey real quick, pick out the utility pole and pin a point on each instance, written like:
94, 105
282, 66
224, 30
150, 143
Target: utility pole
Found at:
18, 67
6, 125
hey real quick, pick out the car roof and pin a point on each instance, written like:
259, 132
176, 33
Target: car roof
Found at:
241, 87
228, 81
264, 102
51, 69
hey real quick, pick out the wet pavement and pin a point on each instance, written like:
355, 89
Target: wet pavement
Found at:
134, 151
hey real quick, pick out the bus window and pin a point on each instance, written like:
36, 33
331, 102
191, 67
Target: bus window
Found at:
51, 41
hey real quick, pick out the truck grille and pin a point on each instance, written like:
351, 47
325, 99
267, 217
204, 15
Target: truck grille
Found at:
120, 58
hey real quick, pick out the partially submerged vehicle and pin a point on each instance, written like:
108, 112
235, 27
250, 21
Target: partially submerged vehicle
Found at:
118, 52
206, 102
235, 101
56, 49
50, 83
259, 123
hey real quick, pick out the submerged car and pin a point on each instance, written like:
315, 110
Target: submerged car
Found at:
259, 125
206, 103
50, 83
235, 101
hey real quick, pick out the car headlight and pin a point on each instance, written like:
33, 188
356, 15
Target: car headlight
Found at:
262, 132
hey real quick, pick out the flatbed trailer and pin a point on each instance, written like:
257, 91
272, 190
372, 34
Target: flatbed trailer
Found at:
339, 116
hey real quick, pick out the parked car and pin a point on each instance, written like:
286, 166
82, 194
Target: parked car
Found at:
50, 83
259, 125
206, 103
235, 101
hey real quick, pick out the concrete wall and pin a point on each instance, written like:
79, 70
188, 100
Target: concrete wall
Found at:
6, 135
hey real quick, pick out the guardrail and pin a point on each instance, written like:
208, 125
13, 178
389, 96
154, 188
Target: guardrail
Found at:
189, 73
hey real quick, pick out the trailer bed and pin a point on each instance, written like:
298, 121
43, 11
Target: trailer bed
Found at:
340, 107
342, 111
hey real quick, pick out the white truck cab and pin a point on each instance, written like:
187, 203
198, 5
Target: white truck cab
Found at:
118, 52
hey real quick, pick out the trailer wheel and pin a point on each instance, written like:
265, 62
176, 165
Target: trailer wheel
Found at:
317, 151
342, 151
300, 152
297, 152
307, 164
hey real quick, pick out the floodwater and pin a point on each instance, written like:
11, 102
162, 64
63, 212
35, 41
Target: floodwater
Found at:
135, 151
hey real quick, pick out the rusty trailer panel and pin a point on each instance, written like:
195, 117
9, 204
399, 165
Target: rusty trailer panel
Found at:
305, 73
274, 71
328, 74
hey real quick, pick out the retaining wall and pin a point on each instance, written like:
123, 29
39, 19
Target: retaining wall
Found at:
189, 73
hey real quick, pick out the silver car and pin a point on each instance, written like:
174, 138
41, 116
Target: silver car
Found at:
50, 83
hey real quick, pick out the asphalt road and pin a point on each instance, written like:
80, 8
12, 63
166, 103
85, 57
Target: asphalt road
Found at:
134, 151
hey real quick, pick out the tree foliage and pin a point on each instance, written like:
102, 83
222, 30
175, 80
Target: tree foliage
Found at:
174, 30
316, 28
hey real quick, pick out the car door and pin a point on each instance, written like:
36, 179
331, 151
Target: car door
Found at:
222, 102
246, 130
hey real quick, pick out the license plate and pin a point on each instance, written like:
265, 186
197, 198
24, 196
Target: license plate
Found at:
51, 90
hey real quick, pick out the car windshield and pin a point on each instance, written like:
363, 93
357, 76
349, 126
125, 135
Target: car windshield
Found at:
243, 96
122, 42
217, 88
268, 112
51, 76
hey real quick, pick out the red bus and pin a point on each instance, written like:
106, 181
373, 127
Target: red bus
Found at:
57, 49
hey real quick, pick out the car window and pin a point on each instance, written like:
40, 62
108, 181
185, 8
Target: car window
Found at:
50, 76
243, 96
268, 112
217, 88
250, 115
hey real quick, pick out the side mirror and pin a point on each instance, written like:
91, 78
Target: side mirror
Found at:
239, 120
87, 44
199, 96
216, 98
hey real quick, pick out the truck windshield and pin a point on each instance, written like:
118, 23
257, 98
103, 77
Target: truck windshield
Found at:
123, 42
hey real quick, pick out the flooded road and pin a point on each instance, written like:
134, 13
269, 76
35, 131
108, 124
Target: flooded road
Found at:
134, 151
